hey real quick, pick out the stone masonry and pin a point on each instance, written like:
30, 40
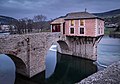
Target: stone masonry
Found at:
110, 75
30, 49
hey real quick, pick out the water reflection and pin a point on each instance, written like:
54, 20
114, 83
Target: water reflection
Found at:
51, 61
68, 70
7, 70
71, 69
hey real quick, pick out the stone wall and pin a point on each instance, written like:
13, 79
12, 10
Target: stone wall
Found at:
39, 45
15, 45
85, 47
30, 48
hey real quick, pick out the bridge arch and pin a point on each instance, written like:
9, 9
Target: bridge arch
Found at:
62, 46
19, 63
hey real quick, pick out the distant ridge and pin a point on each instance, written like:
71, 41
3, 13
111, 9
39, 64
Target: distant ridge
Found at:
109, 13
6, 19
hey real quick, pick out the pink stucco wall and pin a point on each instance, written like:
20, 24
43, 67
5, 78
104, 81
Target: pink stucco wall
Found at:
90, 27
101, 25
66, 27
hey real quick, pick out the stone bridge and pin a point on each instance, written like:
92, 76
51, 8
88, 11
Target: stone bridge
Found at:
29, 51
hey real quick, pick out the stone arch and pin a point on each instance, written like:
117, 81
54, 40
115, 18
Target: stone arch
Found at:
64, 47
19, 63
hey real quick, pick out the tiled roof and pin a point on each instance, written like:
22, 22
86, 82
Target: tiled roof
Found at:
59, 20
80, 15
74, 15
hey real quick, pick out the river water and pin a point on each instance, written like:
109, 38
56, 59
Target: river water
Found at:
65, 69
108, 51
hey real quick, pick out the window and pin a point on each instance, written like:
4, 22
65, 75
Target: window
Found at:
81, 30
71, 30
63, 28
81, 22
101, 30
72, 22
98, 30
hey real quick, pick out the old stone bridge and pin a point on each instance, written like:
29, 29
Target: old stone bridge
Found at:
29, 51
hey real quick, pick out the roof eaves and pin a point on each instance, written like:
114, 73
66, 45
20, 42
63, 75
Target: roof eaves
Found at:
84, 18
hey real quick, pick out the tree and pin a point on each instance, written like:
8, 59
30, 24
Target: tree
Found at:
26, 25
29, 25
0, 27
39, 22
12, 26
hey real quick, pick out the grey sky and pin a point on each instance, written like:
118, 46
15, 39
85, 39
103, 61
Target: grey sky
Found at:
53, 8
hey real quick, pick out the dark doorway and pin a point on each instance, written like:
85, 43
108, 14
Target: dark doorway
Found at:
56, 28
63, 28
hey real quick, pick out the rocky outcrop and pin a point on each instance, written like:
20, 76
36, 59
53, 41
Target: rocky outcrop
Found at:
110, 75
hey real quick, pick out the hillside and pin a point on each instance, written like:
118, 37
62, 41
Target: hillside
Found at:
6, 19
111, 13
111, 18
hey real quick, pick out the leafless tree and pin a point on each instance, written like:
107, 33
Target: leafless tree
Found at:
26, 25
0, 27
39, 22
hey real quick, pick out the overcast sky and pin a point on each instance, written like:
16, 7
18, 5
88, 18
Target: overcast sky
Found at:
53, 8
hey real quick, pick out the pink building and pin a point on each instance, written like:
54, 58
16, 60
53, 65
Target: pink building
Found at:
79, 24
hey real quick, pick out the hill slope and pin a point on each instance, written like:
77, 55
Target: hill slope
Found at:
6, 19
111, 13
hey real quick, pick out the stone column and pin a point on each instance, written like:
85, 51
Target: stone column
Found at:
61, 28
51, 27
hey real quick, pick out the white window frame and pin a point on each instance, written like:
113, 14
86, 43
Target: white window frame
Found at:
84, 23
69, 30
79, 30
70, 23
72, 27
99, 30
81, 27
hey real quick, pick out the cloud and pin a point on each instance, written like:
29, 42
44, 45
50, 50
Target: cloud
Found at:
53, 8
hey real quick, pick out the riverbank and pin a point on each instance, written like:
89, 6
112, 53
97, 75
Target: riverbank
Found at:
110, 75
112, 32
115, 34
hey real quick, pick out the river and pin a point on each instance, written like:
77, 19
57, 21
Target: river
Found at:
108, 51
65, 69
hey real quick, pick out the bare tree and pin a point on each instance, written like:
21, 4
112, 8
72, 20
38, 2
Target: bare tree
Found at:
39, 22
29, 25
26, 25
12, 26
0, 27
